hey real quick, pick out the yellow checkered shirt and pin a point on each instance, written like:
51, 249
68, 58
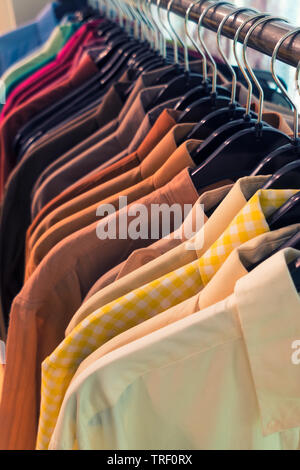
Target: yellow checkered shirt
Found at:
145, 302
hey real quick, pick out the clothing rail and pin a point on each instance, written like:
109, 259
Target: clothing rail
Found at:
264, 38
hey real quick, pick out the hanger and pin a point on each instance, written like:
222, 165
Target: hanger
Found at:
290, 152
87, 93
177, 69
182, 82
233, 111
205, 86
122, 48
237, 156
288, 214
293, 242
218, 96
287, 177
222, 133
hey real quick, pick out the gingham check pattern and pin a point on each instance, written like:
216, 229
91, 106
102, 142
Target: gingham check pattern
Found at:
249, 223
143, 303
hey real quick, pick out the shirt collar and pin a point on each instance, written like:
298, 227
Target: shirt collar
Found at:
205, 202
167, 146
114, 98
236, 265
164, 121
180, 159
84, 70
238, 196
269, 311
248, 224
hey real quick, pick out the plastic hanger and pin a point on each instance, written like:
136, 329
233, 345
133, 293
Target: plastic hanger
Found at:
291, 151
204, 88
218, 97
120, 49
237, 156
285, 178
184, 81
82, 96
288, 214
288, 175
222, 133
177, 69
233, 111
293, 242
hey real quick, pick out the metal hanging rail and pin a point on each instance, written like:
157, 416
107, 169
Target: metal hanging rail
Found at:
263, 39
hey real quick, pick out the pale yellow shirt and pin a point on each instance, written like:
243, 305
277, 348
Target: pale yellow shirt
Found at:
225, 379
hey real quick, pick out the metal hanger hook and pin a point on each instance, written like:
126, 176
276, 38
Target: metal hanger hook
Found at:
239, 62
155, 26
142, 20
132, 8
164, 41
152, 27
249, 68
176, 38
219, 33
280, 85
297, 77
186, 20
200, 29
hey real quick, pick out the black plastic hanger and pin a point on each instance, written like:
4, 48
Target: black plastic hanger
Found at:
241, 152
195, 104
291, 151
98, 84
293, 242
184, 80
286, 178
216, 120
233, 111
288, 214
277, 159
